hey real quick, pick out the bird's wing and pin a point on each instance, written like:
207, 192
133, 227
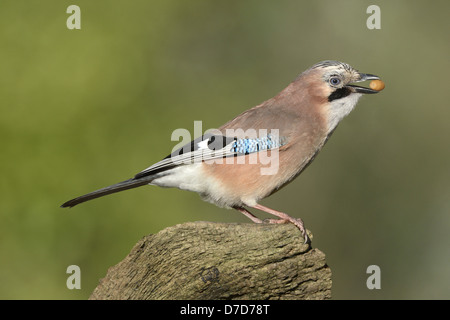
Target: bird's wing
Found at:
214, 146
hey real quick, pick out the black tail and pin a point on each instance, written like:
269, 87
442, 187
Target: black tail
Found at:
124, 185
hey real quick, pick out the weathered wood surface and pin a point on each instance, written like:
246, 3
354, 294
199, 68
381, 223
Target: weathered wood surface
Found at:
204, 260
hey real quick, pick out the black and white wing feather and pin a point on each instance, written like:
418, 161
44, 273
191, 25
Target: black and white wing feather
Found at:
204, 148
210, 147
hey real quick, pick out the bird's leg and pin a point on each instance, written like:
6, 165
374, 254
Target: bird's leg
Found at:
284, 218
249, 215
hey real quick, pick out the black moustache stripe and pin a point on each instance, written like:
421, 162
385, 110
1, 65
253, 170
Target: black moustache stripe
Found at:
339, 93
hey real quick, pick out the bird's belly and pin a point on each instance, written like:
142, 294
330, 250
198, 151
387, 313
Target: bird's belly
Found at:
245, 183
195, 178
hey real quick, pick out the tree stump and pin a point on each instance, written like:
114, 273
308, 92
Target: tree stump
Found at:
211, 261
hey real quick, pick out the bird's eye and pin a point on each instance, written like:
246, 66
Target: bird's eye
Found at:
335, 81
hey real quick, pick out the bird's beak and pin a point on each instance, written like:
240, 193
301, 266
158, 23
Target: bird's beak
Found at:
364, 77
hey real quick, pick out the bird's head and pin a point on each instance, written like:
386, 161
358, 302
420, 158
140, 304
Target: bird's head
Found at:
332, 83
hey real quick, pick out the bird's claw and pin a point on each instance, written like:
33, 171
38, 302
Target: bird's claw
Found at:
297, 222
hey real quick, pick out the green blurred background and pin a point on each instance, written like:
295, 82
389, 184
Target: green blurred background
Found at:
82, 109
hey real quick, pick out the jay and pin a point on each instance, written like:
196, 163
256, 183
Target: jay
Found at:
228, 166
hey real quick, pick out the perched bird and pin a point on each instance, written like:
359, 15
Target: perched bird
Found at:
262, 149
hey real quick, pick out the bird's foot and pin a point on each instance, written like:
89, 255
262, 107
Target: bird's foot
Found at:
295, 221
284, 218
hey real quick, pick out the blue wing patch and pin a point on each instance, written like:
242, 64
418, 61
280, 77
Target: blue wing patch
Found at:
247, 145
